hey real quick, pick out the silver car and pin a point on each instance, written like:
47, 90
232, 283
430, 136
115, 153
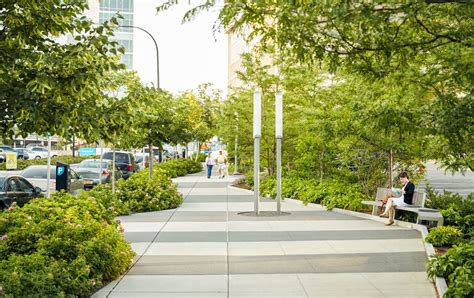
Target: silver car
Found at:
92, 174
37, 175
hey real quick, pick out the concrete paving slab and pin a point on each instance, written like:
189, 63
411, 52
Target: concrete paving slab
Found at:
142, 226
206, 249
277, 284
192, 237
195, 226
187, 249
173, 283
180, 265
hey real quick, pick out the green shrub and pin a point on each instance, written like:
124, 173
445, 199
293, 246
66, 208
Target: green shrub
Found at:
457, 267
62, 246
180, 167
103, 194
141, 194
23, 164
444, 236
448, 200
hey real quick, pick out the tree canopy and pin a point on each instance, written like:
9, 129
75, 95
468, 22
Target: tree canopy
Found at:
48, 83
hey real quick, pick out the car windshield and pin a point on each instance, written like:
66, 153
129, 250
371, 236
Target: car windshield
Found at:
119, 157
38, 173
92, 164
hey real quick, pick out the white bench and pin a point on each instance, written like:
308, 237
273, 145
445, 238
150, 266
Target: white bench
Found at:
417, 206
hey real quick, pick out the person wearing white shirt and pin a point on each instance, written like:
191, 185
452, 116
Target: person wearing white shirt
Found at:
209, 163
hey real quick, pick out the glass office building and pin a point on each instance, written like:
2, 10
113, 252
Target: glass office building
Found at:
123, 35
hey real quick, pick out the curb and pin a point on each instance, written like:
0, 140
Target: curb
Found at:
440, 283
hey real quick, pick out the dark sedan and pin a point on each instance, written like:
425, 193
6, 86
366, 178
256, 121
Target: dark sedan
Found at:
14, 188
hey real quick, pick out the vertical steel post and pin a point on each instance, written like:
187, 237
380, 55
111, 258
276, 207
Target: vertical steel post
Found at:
48, 169
257, 133
278, 136
100, 162
236, 140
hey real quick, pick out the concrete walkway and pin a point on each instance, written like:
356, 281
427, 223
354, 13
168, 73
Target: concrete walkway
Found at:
206, 249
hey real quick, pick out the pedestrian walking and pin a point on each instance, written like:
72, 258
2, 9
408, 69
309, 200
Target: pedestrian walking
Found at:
221, 161
209, 163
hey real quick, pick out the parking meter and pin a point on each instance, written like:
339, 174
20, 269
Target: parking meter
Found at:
63, 179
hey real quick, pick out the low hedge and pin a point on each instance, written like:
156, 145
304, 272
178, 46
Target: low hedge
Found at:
62, 246
330, 193
444, 236
140, 194
23, 164
180, 167
457, 267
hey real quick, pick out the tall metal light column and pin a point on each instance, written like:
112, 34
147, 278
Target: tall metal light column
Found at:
236, 140
157, 52
257, 133
278, 136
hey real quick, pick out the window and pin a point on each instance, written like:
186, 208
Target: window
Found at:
25, 186
119, 157
13, 185
38, 172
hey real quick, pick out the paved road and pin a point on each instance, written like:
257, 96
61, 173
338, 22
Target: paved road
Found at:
206, 249
457, 182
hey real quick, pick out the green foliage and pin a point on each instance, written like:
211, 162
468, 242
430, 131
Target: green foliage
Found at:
457, 211
62, 86
330, 193
457, 267
444, 236
23, 164
180, 167
141, 194
62, 246
411, 47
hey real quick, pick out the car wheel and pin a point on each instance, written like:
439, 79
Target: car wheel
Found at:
4, 205
54, 156
38, 157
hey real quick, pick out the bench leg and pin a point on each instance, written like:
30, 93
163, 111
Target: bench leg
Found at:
374, 210
418, 221
440, 222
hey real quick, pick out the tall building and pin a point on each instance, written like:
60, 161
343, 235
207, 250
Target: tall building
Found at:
236, 46
123, 35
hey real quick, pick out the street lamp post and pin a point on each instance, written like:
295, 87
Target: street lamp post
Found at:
278, 136
157, 52
257, 133
236, 140
150, 147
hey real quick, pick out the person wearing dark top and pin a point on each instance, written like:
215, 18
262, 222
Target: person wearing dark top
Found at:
408, 190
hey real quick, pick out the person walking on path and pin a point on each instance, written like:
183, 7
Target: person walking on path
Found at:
408, 190
221, 164
209, 163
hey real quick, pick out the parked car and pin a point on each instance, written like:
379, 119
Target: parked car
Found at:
4, 150
41, 152
124, 161
143, 159
37, 175
89, 171
14, 188
23, 153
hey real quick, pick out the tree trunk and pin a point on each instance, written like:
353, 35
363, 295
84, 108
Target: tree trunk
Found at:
113, 162
150, 162
321, 167
197, 153
390, 168
160, 152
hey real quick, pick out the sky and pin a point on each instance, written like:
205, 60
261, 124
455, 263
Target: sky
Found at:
190, 53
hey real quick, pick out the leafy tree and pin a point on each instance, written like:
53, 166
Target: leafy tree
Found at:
46, 84
428, 42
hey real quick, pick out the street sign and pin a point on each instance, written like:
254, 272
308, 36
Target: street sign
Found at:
12, 163
87, 151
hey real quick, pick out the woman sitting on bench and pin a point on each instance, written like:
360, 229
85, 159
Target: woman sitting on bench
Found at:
406, 198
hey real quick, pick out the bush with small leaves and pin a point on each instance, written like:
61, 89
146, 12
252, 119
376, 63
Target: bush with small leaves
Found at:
62, 246
444, 236
457, 267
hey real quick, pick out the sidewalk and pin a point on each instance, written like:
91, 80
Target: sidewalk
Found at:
206, 249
